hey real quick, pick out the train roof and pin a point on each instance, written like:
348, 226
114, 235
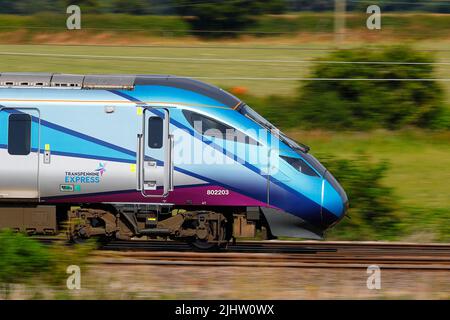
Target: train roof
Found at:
113, 82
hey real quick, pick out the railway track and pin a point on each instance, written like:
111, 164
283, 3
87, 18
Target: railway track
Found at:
245, 246
284, 246
281, 254
276, 254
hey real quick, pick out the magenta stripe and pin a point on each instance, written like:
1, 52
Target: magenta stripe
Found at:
181, 196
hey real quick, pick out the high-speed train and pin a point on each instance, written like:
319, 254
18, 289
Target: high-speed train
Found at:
126, 156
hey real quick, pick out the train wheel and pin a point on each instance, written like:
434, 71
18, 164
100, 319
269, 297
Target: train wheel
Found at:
204, 245
211, 234
78, 237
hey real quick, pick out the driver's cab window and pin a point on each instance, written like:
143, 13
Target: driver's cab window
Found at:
207, 126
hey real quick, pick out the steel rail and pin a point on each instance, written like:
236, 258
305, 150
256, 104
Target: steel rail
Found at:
281, 254
275, 254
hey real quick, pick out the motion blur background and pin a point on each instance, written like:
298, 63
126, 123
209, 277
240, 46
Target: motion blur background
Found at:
374, 105
386, 140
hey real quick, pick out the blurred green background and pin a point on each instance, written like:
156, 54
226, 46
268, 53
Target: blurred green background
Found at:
387, 140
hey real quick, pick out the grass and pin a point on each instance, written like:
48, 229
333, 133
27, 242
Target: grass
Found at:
140, 62
121, 23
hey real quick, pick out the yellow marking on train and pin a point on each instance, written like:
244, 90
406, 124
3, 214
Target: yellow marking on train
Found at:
115, 102
133, 167
47, 147
139, 111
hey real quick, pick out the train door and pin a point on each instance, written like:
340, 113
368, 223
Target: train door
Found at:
155, 163
19, 153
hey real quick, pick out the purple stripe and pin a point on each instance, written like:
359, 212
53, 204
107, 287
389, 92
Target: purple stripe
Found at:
191, 196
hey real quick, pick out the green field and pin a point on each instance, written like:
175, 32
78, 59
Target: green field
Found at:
194, 62
261, 69
216, 62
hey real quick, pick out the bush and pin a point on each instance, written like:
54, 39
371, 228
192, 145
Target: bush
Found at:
364, 105
21, 258
373, 208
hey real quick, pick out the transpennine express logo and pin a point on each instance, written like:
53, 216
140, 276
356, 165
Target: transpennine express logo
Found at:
79, 177
101, 168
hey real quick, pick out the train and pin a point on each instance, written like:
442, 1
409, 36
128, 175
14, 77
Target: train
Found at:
155, 156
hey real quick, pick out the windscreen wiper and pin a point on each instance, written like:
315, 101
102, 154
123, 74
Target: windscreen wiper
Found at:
300, 146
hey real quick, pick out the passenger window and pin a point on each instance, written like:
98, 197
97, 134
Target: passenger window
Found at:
155, 132
19, 134
300, 166
208, 125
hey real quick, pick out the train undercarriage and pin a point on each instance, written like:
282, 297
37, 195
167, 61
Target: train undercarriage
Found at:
203, 228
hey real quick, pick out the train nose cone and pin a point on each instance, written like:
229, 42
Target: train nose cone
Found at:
334, 201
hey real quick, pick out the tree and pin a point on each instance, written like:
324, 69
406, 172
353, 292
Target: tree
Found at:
87, 6
28, 6
138, 7
226, 15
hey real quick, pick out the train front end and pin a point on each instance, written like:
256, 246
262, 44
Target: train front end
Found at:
304, 198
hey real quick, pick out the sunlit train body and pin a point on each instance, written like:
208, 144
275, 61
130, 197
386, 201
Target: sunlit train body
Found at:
122, 156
